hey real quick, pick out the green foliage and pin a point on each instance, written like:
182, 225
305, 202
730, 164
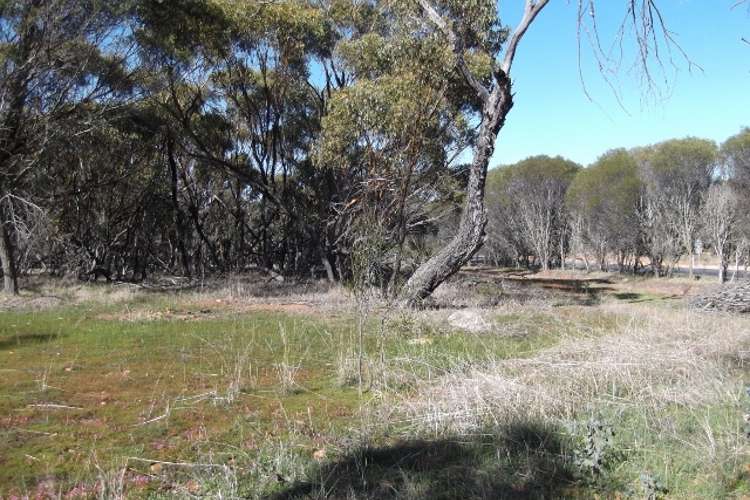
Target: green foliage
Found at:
476, 22
181, 30
653, 488
605, 196
609, 186
383, 124
736, 155
596, 453
533, 173
680, 164
405, 103
526, 202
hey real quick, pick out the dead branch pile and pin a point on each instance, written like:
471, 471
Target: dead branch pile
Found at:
731, 298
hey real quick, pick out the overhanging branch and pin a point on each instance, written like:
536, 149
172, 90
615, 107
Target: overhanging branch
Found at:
458, 50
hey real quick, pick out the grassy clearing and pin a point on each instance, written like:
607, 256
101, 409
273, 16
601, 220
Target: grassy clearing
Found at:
79, 392
212, 394
668, 383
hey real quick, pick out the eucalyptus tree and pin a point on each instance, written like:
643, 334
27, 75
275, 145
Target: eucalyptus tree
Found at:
395, 131
676, 174
604, 198
468, 31
720, 212
505, 240
235, 83
57, 58
532, 193
108, 194
735, 153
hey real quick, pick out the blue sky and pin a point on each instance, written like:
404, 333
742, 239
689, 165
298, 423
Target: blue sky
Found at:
552, 114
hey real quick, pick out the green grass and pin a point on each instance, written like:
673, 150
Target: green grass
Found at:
78, 391
83, 387
689, 450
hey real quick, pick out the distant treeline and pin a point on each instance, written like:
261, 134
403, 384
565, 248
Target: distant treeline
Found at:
648, 206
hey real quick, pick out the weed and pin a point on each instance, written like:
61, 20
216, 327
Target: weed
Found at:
746, 416
653, 488
347, 368
596, 452
286, 370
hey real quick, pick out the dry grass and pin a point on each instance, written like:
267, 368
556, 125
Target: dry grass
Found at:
43, 294
656, 357
237, 293
252, 289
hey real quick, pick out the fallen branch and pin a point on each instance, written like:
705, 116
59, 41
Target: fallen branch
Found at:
176, 464
54, 406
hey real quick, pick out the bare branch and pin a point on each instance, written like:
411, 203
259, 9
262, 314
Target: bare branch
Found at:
657, 50
531, 10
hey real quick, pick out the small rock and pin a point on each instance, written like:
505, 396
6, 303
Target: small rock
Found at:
471, 321
193, 487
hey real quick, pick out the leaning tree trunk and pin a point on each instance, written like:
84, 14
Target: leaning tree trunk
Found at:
496, 103
10, 280
470, 236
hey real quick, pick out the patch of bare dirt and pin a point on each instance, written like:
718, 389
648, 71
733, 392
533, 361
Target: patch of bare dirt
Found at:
234, 305
662, 286
159, 315
284, 308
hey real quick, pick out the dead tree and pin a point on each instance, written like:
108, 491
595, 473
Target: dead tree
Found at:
720, 214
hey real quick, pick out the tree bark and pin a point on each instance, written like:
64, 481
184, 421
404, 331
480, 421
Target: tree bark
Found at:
10, 280
723, 265
471, 230
327, 266
179, 216
562, 252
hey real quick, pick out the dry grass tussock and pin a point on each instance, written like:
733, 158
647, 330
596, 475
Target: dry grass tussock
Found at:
46, 294
237, 293
656, 357
247, 291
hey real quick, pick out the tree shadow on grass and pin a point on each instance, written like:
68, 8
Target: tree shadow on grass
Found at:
517, 462
21, 340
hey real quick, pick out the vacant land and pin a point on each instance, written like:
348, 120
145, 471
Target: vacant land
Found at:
543, 386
